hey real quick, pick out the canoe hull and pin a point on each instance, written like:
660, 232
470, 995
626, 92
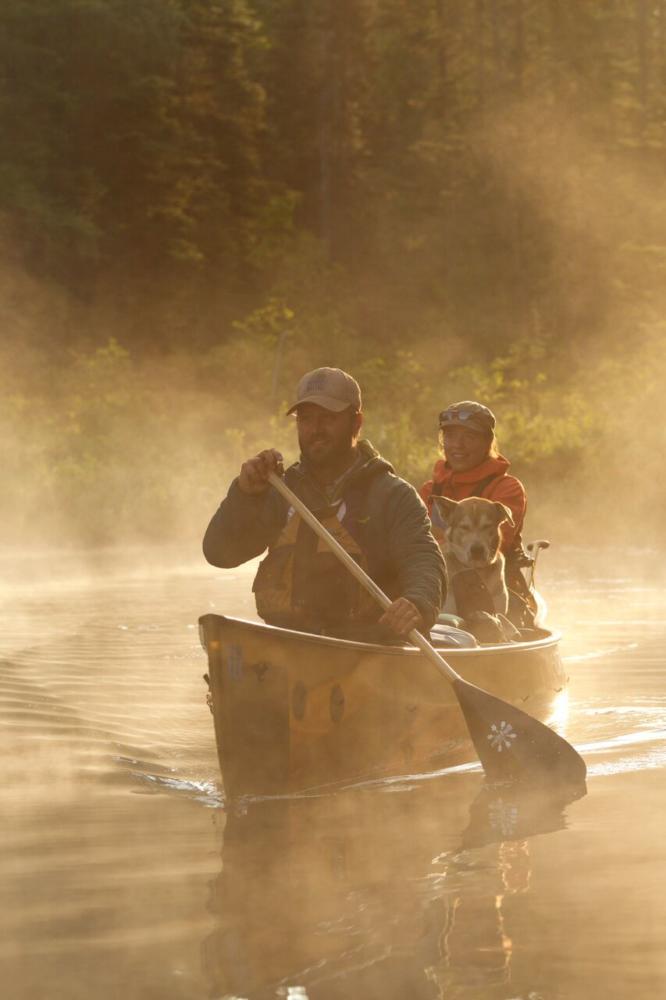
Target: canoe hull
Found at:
294, 711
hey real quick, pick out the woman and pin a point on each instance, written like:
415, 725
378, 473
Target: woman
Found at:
472, 466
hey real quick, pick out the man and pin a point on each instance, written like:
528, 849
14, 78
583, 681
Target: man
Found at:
374, 514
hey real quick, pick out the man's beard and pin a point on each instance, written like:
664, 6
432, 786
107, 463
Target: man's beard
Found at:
334, 453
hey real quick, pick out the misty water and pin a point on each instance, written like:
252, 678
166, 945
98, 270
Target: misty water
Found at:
123, 874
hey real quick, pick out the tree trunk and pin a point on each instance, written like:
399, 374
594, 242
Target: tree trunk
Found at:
480, 52
643, 56
519, 42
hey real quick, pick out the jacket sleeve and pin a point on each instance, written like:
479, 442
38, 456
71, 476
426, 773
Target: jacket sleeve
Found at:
243, 526
511, 492
426, 493
415, 553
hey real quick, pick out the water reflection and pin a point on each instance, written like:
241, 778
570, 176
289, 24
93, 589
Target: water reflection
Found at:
374, 893
112, 823
505, 812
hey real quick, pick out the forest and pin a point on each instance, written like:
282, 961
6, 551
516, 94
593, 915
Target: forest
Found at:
200, 200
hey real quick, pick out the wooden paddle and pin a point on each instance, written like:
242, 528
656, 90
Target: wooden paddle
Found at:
511, 744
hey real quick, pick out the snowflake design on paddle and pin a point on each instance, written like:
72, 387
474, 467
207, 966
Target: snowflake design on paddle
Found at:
501, 736
503, 817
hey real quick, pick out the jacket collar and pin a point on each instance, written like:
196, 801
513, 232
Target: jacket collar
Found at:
443, 473
368, 463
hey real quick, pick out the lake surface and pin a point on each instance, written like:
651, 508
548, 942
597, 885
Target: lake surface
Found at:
124, 876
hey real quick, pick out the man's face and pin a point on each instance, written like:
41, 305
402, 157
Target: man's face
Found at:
325, 437
464, 448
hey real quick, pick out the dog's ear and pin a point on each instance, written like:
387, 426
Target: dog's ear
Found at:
445, 506
442, 511
504, 514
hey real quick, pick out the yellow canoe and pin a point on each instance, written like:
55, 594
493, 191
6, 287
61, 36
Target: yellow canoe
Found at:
295, 711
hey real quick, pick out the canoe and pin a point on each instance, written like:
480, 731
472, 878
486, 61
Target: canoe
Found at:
295, 711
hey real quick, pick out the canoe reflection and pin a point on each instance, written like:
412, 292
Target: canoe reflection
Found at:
373, 893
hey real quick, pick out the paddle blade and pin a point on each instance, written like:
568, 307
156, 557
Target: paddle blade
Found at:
513, 746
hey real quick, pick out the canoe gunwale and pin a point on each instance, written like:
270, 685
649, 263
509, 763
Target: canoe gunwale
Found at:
455, 653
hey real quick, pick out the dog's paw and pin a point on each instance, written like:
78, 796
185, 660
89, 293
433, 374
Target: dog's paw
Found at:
486, 628
511, 633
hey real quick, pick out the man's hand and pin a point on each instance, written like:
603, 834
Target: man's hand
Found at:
402, 616
253, 478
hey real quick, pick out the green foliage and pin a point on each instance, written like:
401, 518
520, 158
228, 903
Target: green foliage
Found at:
440, 154
117, 447
131, 130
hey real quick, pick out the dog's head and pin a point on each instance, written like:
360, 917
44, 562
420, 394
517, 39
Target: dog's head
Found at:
471, 528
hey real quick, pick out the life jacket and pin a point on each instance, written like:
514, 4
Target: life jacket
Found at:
302, 584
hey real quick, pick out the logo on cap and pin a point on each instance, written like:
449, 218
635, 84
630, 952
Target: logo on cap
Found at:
315, 383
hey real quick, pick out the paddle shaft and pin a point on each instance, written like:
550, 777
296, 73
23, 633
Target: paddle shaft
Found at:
415, 636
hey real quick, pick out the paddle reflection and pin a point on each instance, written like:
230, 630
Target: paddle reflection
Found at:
505, 812
374, 893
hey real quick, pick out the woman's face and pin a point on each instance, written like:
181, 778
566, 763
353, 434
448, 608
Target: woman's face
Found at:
465, 449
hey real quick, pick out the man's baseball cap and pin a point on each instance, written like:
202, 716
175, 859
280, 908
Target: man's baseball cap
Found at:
328, 387
470, 414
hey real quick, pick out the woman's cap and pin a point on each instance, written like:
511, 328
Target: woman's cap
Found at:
470, 414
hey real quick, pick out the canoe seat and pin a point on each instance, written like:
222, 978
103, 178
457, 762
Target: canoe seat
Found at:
449, 637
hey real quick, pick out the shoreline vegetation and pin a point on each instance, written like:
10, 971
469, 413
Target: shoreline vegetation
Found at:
202, 201
105, 447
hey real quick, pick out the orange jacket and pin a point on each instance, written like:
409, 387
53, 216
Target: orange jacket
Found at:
458, 485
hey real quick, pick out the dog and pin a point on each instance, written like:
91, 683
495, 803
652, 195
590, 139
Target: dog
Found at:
468, 532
